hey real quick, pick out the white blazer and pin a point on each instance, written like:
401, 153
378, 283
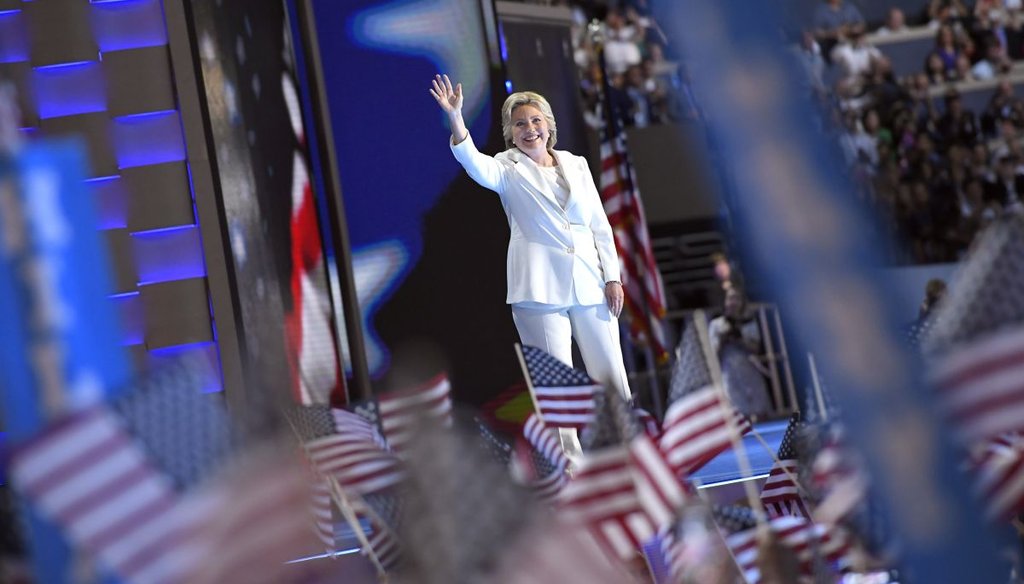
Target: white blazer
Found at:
555, 256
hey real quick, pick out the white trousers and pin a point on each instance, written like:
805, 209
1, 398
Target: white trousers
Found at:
596, 332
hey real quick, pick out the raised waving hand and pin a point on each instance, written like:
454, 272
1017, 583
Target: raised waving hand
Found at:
450, 100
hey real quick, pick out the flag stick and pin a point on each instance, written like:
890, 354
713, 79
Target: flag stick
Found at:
700, 321
818, 396
529, 382
350, 517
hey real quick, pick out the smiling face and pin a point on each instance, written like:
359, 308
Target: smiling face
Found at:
530, 129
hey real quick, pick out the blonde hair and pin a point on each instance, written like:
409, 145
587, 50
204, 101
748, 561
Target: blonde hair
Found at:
522, 98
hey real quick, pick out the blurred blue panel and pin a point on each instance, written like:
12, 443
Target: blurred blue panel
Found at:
149, 138
166, 255
128, 24
13, 40
69, 89
168, 355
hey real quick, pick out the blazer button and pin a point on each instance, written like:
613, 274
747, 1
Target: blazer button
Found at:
569, 250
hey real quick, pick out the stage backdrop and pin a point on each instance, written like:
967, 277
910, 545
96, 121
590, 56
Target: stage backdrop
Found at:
428, 243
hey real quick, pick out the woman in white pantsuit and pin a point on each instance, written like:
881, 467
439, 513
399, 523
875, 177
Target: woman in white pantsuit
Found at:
563, 272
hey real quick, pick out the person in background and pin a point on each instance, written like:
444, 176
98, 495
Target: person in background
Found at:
1008, 187
946, 49
995, 61
834, 20
946, 12
736, 339
562, 266
622, 43
957, 126
895, 23
855, 55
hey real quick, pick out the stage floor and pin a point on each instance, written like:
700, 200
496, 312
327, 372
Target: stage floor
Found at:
723, 469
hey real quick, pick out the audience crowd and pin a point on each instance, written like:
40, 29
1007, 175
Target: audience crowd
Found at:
935, 171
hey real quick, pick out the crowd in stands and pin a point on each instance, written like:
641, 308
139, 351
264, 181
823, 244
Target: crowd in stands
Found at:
936, 172
647, 85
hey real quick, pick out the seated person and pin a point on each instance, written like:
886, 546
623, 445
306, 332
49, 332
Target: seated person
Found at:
736, 339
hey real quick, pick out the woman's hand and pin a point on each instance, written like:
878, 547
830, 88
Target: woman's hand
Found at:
449, 98
614, 296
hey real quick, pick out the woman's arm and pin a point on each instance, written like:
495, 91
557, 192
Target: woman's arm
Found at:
485, 170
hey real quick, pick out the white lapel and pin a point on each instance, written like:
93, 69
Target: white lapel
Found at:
565, 161
526, 167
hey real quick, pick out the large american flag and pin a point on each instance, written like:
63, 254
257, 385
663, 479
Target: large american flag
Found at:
644, 292
312, 348
781, 493
564, 396
696, 430
977, 341
623, 489
397, 413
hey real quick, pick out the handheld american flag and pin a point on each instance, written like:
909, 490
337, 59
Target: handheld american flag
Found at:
623, 488
347, 447
781, 493
564, 396
540, 458
695, 430
397, 412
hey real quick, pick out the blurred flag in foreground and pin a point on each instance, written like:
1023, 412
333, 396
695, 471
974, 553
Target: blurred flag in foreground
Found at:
977, 341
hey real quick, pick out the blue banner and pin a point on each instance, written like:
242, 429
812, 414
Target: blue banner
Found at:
59, 346
798, 223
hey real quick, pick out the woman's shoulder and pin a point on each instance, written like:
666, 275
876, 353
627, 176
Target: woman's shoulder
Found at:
510, 156
564, 156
